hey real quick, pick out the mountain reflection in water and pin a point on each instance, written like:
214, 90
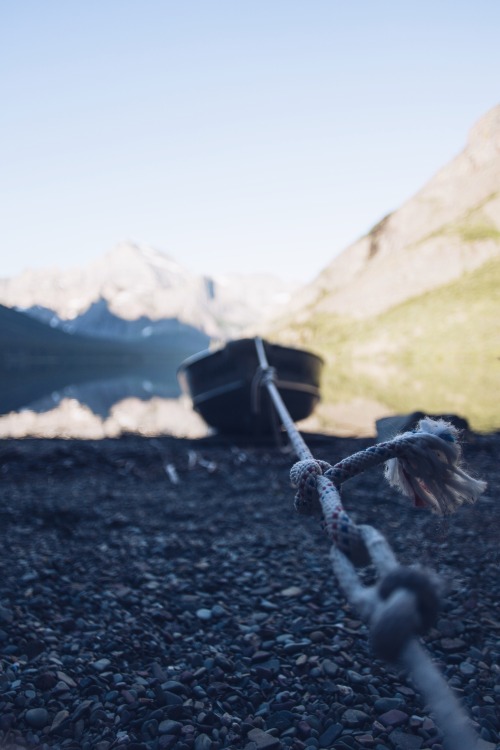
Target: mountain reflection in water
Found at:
76, 404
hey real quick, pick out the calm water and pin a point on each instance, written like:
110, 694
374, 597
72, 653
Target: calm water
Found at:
71, 403
76, 403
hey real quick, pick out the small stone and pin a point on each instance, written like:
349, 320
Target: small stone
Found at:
416, 721
403, 741
303, 729
330, 735
294, 647
365, 740
467, 668
172, 699
291, 591
58, 719
353, 717
281, 720
45, 681
101, 665
429, 726
259, 656
37, 718
204, 614
452, 644
263, 740
61, 687
149, 729
168, 726
382, 705
224, 663
66, 678
329, 667
267, 605
355, 677
393, 718
173, 686
317, 636
6, 615
218, 611
202, 742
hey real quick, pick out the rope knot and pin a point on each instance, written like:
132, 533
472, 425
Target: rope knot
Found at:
303, 477
409, 603
427, 468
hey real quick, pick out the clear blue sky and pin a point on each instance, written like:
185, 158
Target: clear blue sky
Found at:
236, 135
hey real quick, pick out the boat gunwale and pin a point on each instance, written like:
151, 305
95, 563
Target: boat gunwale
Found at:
207, 353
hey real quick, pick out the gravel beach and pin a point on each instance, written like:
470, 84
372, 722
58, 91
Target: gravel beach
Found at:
162, 593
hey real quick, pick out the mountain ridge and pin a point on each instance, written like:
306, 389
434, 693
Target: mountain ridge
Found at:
137, 280
450, 226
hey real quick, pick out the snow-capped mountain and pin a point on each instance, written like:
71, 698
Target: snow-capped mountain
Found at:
134, 282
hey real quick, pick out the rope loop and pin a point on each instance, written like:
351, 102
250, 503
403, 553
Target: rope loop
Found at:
408, 605
303, 476
424, 584
264, 376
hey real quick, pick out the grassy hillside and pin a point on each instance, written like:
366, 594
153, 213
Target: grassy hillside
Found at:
439, 352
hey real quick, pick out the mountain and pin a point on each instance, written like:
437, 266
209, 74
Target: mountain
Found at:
98, 321
139, 282
450, 227
408, 316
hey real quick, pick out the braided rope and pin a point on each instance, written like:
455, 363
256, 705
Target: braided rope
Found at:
425, 466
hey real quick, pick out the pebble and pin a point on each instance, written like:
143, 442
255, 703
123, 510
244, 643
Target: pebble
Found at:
203, 742
329, 667
365, 740
263, 740
109, 642
452, 644
353, 717
37, 717
59, 718
204, 614
393, 718
101, 665
281, 720
467, 668
168, 726
292, 591
403, 741
382, 705
330, 735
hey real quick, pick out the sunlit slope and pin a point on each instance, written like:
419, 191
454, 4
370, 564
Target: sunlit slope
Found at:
438, 352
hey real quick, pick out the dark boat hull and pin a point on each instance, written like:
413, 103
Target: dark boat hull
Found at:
223, 385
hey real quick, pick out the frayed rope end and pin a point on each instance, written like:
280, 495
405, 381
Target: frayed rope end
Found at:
430, 472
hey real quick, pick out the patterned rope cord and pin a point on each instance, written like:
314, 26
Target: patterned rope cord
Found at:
425, 465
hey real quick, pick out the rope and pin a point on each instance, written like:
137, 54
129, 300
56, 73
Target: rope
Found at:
425, 466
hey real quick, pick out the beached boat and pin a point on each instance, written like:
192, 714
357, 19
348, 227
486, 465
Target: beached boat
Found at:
225, 385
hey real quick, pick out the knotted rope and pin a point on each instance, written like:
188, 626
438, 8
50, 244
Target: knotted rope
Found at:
425, 465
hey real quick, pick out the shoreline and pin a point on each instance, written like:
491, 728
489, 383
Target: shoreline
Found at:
191, 608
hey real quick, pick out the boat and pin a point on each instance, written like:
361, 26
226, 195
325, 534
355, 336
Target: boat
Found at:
226, 385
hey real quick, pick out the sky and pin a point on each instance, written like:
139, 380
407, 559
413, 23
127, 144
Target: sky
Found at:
240, 136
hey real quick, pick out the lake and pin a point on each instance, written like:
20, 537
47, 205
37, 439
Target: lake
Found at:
67, 402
